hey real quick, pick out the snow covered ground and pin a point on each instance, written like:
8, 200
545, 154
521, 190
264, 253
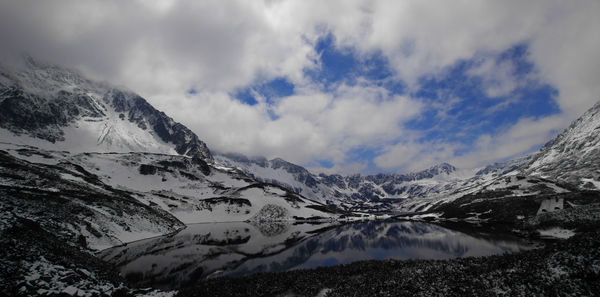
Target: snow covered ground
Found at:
173, 184
557, 232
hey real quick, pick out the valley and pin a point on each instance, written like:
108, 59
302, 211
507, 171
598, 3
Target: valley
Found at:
103, 195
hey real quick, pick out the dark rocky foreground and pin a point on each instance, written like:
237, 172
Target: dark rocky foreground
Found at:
36, 262
36, 259
564, 268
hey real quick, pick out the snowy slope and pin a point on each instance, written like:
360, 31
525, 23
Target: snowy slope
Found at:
73, 204
573, 155
193, 194
567, 164
191, 191
280, 172
354, 192
59, 109
131, 171
496, 183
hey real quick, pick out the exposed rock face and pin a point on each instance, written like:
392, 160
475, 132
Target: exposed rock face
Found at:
573, 155
140, 112
74, 204
42, 101
43, 117
351, 192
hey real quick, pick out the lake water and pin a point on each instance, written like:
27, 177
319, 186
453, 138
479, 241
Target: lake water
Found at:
237, 249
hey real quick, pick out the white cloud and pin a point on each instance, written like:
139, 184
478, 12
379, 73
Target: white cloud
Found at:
163, 48
154, 48
523, 137
398, 155
413, 156
567, 51
346, 168
498, 77
308, 127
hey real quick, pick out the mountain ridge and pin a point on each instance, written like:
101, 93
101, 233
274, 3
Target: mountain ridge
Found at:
570, 156
356, 192
63, 136
50, 103
579, 145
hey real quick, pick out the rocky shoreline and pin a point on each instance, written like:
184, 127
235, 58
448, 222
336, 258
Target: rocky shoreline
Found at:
34, 261
562, 268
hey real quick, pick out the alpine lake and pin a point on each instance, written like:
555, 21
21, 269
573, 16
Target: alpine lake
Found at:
209, 250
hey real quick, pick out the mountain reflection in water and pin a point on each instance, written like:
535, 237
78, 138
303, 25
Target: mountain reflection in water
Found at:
237, 249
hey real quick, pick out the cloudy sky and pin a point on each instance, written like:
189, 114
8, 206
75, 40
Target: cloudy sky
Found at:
337, 86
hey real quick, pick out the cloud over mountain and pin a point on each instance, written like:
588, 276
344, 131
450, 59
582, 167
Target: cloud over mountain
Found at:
389, 84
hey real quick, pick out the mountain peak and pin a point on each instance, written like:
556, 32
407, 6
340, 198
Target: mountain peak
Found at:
441, 168
60, 109
567, 157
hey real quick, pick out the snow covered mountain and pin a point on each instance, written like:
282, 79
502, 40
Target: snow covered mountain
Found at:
58, 109
129, 170
169, 190
573, 156
128, 145
410, 192
563, 165
72, 203
354, 192
280, 172
565, 169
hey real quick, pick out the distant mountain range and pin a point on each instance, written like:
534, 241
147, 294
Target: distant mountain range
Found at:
53, 108
357, 192
569, 159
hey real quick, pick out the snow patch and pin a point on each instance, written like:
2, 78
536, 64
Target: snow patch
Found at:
71, 177
557, 232
592, 181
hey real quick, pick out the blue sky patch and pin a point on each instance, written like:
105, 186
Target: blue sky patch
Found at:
346, 65
270, 90
459, 110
